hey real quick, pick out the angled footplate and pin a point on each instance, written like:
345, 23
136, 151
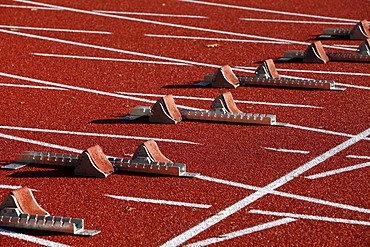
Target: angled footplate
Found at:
359, 31
313, 54
20, 210
149, 159
165, 111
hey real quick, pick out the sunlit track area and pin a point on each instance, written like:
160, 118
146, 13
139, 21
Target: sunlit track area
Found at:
184, 123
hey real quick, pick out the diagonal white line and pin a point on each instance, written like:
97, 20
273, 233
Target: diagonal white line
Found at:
336, 171
241, 232
311, 217
258, 194
136, 199
267, 10
26, 7
11, 187
299, 22
149, 14
287, 150
54, 29
358, 157
30, 86
32, 239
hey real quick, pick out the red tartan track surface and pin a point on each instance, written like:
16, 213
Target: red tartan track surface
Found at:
70, 72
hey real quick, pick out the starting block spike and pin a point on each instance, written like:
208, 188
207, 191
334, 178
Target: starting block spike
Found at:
313, 54
165, 111
359, 31
19, 209
94, 163
364, 47
149, 152
267, 70
225, 103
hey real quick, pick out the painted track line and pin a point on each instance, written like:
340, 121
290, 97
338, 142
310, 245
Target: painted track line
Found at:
10, 187
210, 99
268, 10
32, 239
55, 29
287, 195
185, 204
95, 134
180, 239
299, 22
175, 25
337, 171
241, 232
30, 86
215, 39
149, 14
108, 59
311, 217
287, 150
26, 7
358, 157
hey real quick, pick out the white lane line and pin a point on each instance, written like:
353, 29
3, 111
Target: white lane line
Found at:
333, 172
26, 7
354, 86
108, 59
54, 29
288, 195
30, 86
210, 99
32, 239
95, 134
176, 25
87, 90
185, 204
268, 10
358, 157
185, 236
323, 131
215, 39
240, 233
10, 187
300, 22
287, 150
311, 217
354, 46
149, 14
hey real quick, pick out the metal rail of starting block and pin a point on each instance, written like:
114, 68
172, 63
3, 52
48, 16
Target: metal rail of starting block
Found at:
359, 31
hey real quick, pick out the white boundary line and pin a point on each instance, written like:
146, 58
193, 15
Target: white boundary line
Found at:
337, 171
287, 150
176, 25
30, 86
32, 239
185, 236
149, 14
358, 157
95, 134
241, 232
185, 204
10, 187
299, 22
26, 7
54, 29
268, 11
311, 217
210, 99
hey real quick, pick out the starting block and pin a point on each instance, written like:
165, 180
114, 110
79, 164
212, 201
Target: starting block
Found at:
266, 75
359, 31
94, 163
19, 209
223, 110
315, 54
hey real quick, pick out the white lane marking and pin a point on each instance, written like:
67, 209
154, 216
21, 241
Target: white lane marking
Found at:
288, 195
32, 239
322, 131
176, 25
311, 217
26, 7
358, 157
210, 99
287, 150
87, 90
268, 10
185, 236
149, 14
246, 231
30, 86
95, 134
108, 59
354, 86
185, 204
354, 46
336, 171
300, 22
10, 187
54, 29
215, 39
45, 144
